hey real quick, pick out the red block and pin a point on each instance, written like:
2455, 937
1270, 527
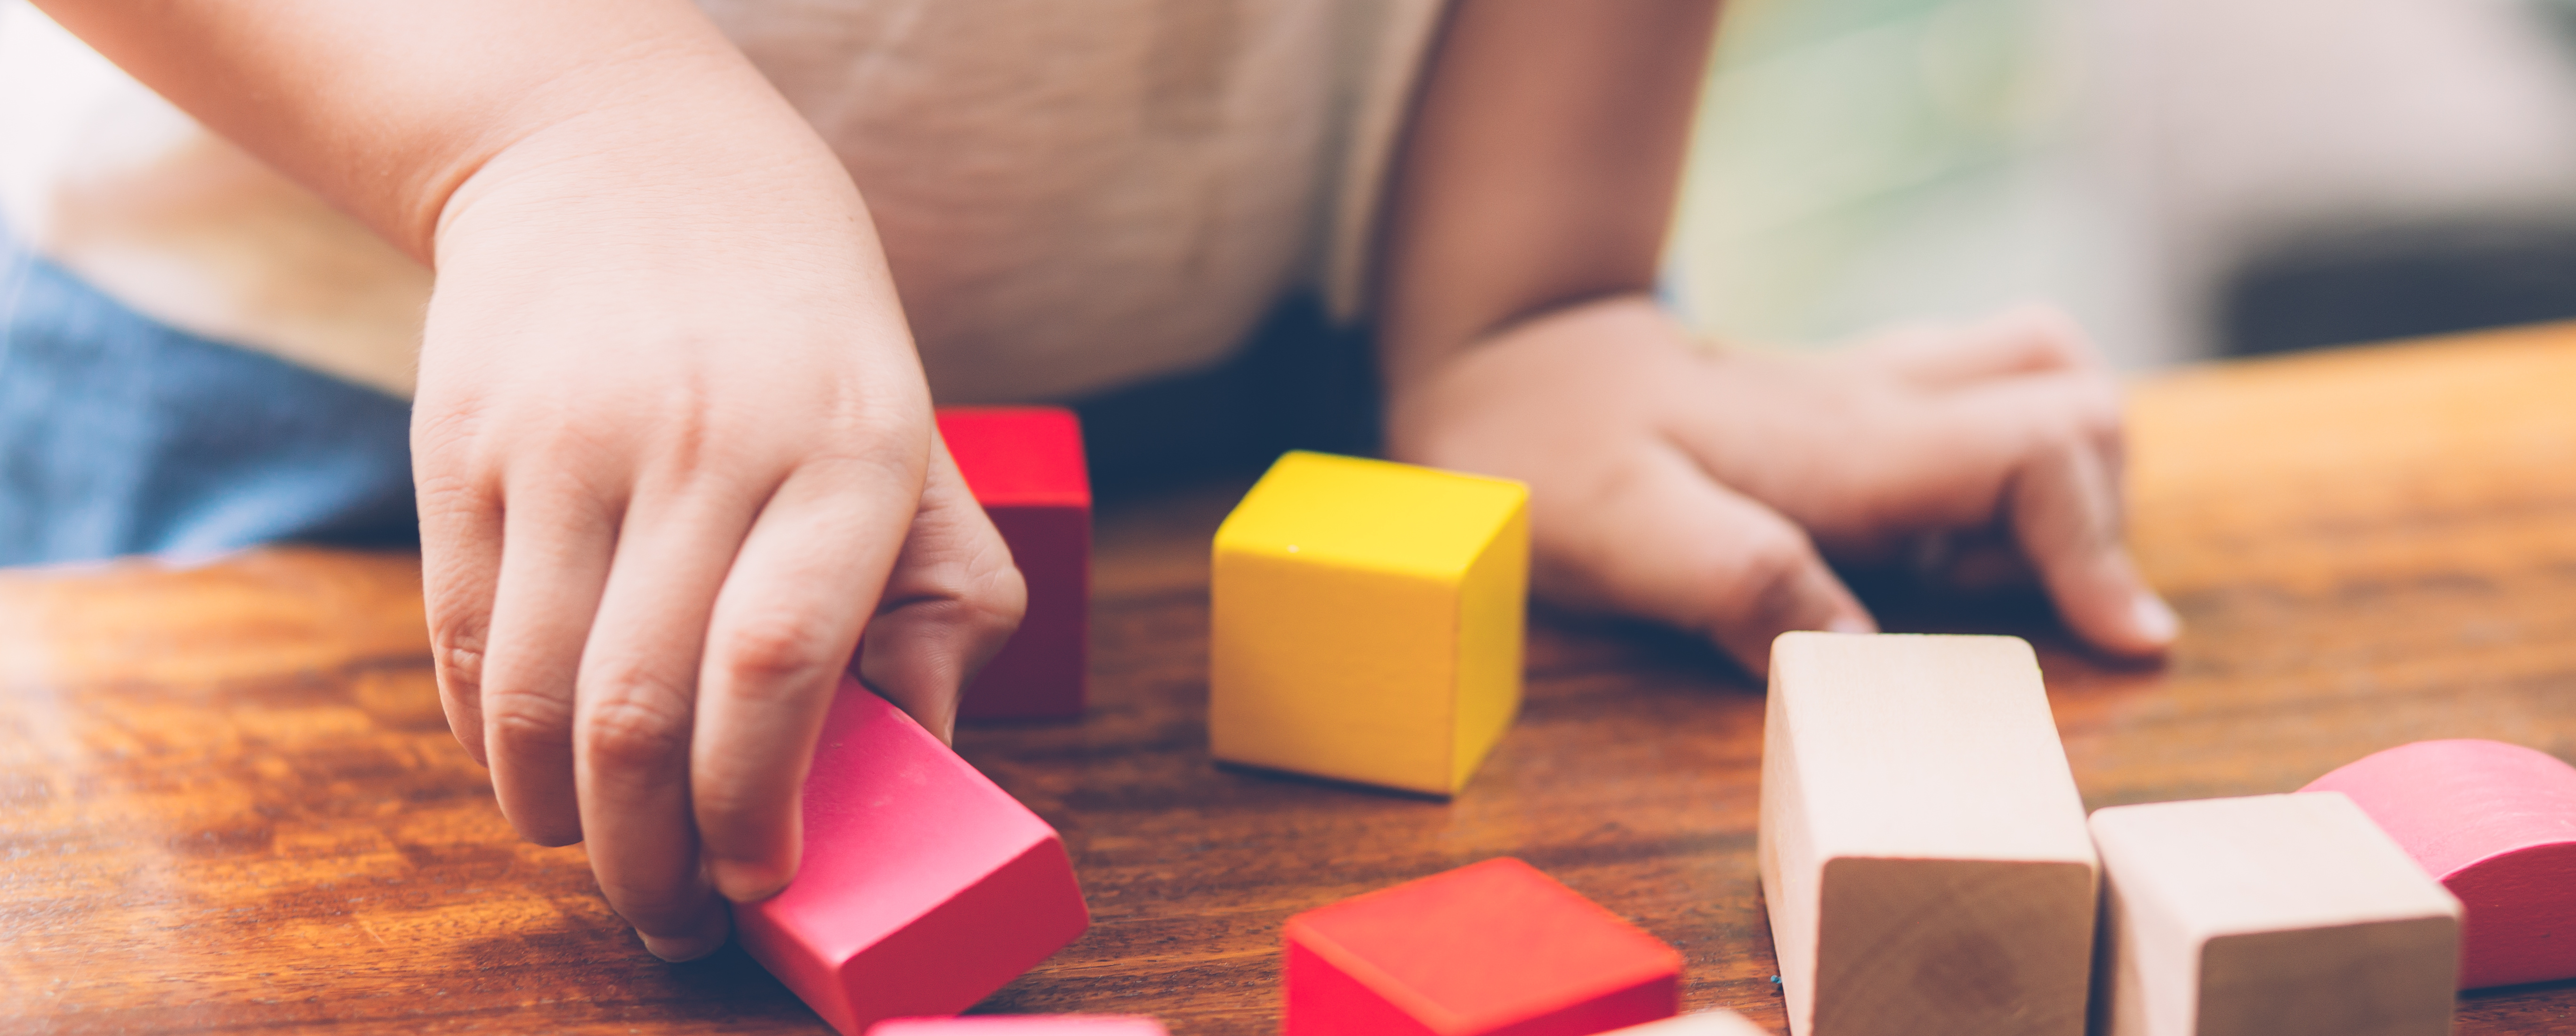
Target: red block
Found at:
2495, 824
924, 886
1023, 1025
1025, 466
1490, 949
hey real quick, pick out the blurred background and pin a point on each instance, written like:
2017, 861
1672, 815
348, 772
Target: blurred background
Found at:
2189, 177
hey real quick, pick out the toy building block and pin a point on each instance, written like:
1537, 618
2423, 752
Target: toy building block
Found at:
1703, 1023
1490, 948
923, 888
1025, 466
1023, 1025
2276, 915
1367, 622
2496, 825
1922, 846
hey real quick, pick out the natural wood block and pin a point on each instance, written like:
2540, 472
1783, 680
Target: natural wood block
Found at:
1490, 948
1922, 846
1025, 465
2276, 915
924, 886
1022, 1025
1703, 1023
2496, 825
1367, 622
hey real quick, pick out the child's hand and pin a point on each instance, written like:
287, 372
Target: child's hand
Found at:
1699, 489
672, 439
1524, 228
672, 442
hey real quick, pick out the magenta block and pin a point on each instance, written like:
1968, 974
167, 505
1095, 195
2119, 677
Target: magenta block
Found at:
924, 886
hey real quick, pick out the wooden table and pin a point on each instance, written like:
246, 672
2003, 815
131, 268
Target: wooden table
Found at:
227, 797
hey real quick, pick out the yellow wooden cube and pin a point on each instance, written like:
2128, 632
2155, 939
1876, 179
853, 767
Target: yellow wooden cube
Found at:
1367, 622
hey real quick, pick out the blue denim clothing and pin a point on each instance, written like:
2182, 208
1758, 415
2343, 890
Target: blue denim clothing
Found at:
121, 435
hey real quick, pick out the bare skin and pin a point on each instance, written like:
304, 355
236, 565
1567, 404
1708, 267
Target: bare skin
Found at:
675, 454
673, 446
1705, 490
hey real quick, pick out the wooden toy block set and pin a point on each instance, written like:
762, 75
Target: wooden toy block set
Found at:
1925, 859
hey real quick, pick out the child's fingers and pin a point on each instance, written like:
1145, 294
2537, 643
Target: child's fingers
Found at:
2022, 340
554, 562
954, 600
2040, 453
1667, 542
2065, 511
785, 624
460, 563
637, 705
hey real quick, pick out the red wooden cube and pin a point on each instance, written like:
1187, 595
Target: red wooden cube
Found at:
924, 886
1491, 948
1023, 1025
1025, 466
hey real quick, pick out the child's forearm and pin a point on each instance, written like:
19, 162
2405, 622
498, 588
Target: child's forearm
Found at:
388, 108
1541, 168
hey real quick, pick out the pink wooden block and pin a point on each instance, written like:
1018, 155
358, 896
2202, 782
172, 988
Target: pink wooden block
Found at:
2496, 824
1029, 1024
924, 886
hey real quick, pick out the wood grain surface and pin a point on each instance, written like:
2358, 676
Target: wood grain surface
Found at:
228, 798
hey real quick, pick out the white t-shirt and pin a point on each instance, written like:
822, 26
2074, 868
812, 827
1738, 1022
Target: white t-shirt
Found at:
1071, 195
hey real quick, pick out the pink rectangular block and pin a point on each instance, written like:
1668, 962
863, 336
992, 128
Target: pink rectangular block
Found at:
1023, 1025
924, 886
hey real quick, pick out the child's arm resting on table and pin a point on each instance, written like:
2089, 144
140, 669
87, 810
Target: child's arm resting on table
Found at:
671, 437
1698, 488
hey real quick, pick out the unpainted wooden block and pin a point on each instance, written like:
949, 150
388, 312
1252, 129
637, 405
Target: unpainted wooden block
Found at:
1022, 1025
924, 886
1701, 1023
2275, 915
1922, 845
1025, 465
1367, 622
2496, 825
1489, 949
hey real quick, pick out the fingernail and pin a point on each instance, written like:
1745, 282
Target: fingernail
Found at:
743, 881
1850, 624
2155, 620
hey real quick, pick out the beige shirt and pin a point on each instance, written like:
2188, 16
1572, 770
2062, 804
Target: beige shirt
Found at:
1071, 195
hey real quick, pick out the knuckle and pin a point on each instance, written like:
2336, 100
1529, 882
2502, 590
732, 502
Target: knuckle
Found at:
2060, 339
456, 644
998, 602
442, 490
2086, 419
631, 735
519, 717
636, 722
460, 670
772, 647
443, 432
1762, 576
989, 589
